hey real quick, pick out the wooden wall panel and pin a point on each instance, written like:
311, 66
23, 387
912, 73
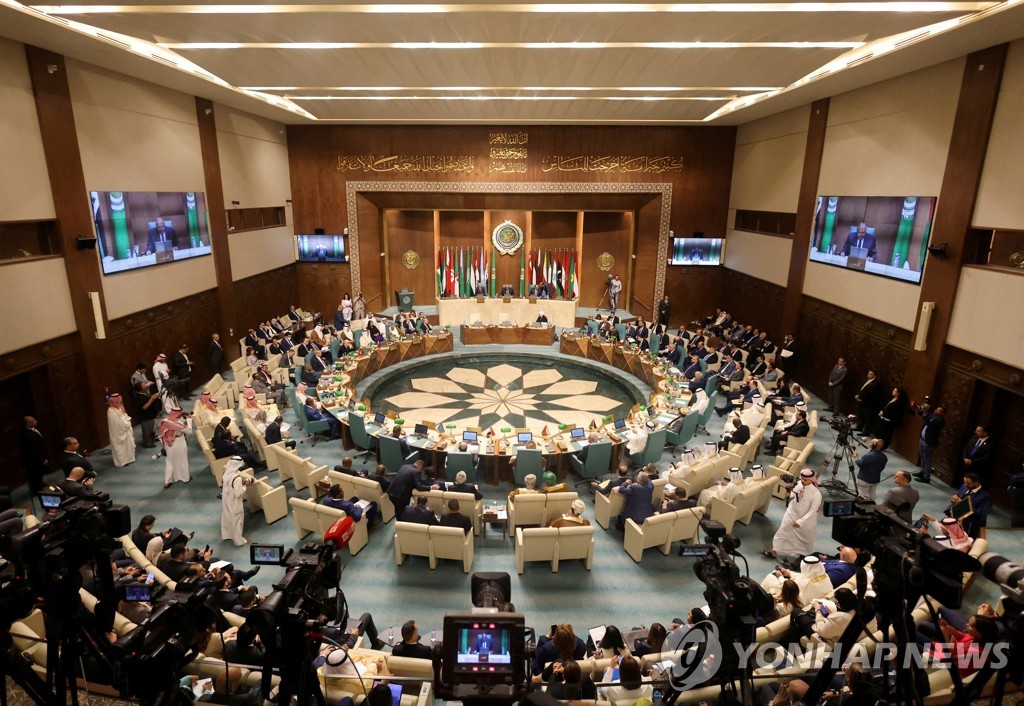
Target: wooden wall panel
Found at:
267, 295
754, 301
138, 338
694, 292
226, 302
371, 263
605, 232
644, 268
320, 286
411, 231
978, 390
695, 161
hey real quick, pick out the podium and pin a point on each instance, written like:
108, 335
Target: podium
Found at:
405, 300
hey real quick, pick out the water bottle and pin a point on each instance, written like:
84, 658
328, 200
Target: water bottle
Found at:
391, 636
433, 637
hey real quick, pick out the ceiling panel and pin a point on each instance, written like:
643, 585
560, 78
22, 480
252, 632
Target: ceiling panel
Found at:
510, 111
512, 67
531, 27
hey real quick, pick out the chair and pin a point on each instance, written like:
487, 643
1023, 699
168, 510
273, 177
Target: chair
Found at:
654, 532
526, 509
527, 461
304, 515
360, 437
702, 423
680, 439
599, 458
687, 526
451, 543
460, 461
318, 426
536, 544
272, 501
391, 453
411, 539
620, 330
652, 451
217, 465
576, 543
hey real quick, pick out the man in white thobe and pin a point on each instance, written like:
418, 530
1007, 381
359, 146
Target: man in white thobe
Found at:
232, 513
122, 436
172, 433
814, 583
795, 538
161, 371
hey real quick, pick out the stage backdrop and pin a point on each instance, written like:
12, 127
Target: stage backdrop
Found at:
396, 187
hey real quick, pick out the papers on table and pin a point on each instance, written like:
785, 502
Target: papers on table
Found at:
219, 564
597, 634
202, 686
498, 511
363, 505
786, 354
285, 426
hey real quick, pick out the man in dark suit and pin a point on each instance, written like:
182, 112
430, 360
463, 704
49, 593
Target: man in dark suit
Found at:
272, 434
461, 486
759, 367
161, 233
691, 370
484, 643
676, 500
293, 313
609, 486
454, 518
870, 398
34, 457
731, 371
799, 428
981, 502
870, 468
860, 239
664, 311
541, 318
934, 421
419, 513
977, 456
698, 382
410, 645
76, 485
405, 481
72, 458
215, 353
835, 385
256, 343
182, 369
506, 290
739, 435
638, 500
674, 353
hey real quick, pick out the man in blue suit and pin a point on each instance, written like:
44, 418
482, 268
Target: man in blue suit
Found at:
870, 470
315, 414
639, 496
981, 502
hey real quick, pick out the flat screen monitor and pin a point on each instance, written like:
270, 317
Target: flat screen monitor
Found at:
50, 501
137, 593
265, 554
379, 417
420, 429
880, 235
578, 433
483, 648
696, 251
620, 423
321, 248
469, 437
525, 437
142, 228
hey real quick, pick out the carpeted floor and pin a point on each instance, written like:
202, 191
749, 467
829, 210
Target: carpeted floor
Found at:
617, 591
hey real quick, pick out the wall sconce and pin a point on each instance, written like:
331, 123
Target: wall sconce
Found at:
208, 111
51, 69
939, 250
344, 230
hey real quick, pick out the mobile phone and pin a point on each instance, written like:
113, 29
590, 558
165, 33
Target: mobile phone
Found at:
778, 568
151, 577
553, 626
824, 609
207, 549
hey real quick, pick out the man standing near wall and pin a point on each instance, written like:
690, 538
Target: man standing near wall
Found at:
613, 291
835, 385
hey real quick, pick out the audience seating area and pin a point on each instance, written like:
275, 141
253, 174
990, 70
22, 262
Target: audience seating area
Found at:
662, 531
537, 509
312, 517
433, 542
554, 544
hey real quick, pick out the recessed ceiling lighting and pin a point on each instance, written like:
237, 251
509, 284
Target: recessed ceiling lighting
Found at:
509, 45
550, 8
573, 89
508, 98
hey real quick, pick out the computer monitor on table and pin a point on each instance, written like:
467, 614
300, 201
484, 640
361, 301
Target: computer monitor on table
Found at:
577, 433
524, 437
470, 437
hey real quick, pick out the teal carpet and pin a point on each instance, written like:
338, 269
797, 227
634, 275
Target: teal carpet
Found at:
617, 591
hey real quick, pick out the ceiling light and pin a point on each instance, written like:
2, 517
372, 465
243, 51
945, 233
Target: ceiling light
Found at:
510, 45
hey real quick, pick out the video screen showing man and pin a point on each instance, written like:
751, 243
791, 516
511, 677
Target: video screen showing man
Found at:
860, 243
162, 237
483, 646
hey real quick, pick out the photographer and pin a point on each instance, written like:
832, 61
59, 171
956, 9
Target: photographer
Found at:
870, 470
173, 429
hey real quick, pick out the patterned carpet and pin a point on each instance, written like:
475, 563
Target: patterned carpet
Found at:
617, 591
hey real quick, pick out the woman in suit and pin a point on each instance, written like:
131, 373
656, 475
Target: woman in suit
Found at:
892, 415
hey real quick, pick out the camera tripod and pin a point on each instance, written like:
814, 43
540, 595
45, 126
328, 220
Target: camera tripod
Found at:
842, 449
604, 303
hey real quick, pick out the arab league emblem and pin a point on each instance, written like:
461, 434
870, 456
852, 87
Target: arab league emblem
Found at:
507, 238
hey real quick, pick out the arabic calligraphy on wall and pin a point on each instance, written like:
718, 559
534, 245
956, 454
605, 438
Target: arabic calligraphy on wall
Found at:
404, 163
611, 164
500, 167
508, 153
508, 138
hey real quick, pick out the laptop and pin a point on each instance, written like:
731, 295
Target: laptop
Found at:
420, 430
578, 434
469, 437
379, 418
620, 423
524, 437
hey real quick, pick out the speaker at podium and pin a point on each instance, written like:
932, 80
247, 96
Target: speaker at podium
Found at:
405, 300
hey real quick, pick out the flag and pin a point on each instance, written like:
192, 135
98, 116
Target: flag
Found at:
193, 220
574, 289
97, 218
901, 251
830, 222
119, 219
450, 269
522, 272
439, 272
494, 288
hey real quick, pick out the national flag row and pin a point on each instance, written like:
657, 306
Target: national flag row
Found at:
560, 267
461, 271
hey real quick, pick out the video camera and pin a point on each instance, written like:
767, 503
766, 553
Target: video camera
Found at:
484, 657
902, 554
843, 426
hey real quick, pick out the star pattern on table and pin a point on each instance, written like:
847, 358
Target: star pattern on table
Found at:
504, 396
